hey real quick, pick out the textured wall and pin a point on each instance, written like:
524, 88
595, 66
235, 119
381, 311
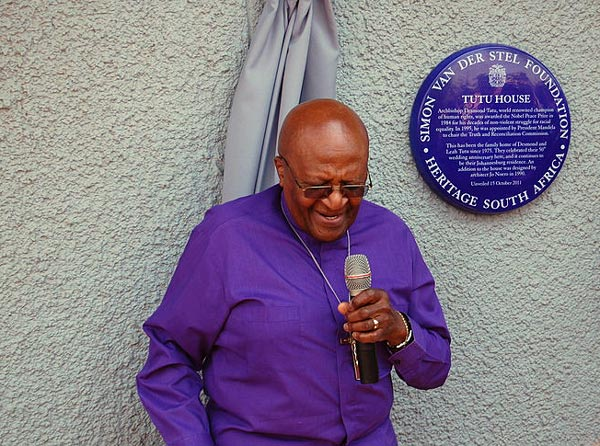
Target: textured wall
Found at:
112, 125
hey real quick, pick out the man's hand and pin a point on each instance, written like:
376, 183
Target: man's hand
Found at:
367, 307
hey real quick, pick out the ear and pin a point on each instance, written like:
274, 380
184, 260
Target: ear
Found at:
279, 165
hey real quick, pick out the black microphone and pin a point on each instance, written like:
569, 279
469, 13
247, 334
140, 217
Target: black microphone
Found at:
357, 273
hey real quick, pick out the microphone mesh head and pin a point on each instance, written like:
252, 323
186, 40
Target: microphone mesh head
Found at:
357, 272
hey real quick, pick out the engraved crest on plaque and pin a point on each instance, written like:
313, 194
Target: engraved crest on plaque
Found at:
497, 75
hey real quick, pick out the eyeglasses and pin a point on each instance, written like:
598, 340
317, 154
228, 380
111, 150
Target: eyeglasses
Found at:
320, 192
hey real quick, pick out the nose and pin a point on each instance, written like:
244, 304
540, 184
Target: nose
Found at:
336, 199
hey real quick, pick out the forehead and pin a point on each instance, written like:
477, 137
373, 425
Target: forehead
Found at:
326, 140
329, 154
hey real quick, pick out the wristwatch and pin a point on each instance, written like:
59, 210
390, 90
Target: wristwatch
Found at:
409, 335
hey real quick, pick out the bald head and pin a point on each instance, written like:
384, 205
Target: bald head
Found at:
322, 142
318, 116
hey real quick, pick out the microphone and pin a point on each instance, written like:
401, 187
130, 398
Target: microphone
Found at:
357, 273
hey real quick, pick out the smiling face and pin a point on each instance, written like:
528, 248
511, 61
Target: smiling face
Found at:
325, 143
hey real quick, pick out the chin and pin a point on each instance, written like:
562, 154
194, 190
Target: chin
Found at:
328, 235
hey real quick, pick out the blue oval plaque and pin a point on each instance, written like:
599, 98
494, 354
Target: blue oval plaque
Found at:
490, 128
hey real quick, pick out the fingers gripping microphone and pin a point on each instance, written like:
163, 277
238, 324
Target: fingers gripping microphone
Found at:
357, 273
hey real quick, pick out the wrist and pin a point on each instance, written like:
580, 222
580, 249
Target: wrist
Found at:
409, 334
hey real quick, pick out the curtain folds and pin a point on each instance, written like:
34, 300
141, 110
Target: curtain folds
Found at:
292, 58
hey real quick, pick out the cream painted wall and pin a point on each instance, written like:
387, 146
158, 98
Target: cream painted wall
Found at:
112, 126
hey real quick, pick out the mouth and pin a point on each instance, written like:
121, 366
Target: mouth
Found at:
329, 219
327, 225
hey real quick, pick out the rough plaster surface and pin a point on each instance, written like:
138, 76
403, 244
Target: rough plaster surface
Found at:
112, 126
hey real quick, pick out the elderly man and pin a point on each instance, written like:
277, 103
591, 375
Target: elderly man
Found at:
258, 304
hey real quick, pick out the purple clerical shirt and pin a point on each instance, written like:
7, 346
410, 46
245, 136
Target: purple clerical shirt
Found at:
248, 308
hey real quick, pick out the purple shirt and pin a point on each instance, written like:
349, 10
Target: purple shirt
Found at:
248, 307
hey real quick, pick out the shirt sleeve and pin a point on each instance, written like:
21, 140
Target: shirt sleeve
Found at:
181, 332
425, 362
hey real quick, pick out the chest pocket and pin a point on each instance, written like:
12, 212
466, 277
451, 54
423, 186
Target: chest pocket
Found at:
271, 333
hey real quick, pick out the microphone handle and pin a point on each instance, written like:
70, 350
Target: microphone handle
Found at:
367, 363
